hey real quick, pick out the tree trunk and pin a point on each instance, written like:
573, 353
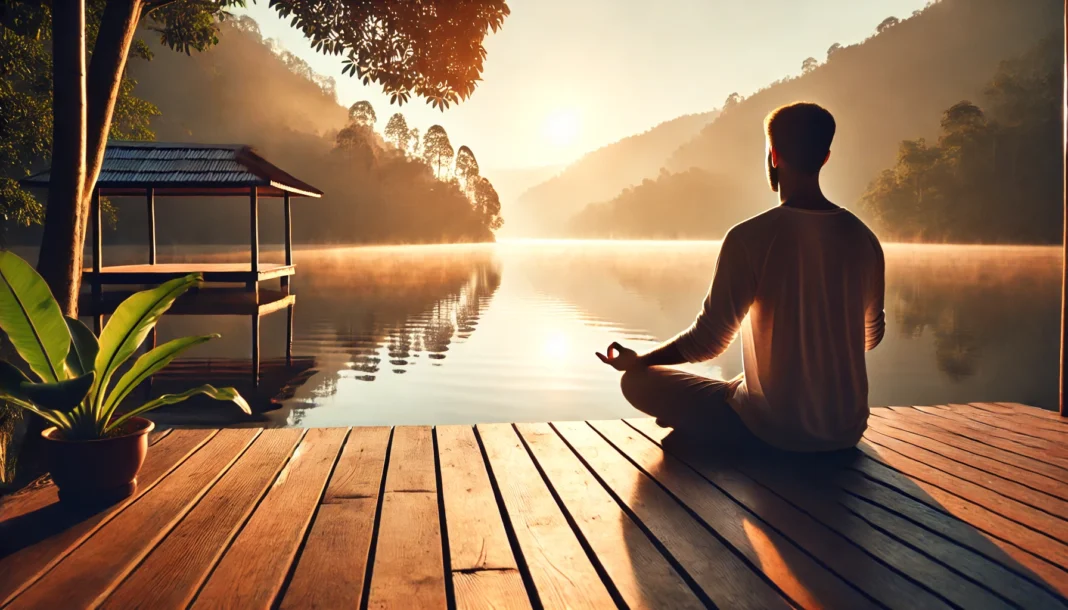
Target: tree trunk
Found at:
82, 123
60, 260
117, 29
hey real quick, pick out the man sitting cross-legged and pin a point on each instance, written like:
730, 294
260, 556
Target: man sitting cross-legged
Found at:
803, 283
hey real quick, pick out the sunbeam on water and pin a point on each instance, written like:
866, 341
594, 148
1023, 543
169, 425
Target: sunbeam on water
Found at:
507, 332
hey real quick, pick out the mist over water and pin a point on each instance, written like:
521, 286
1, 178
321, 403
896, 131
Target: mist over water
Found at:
507, 332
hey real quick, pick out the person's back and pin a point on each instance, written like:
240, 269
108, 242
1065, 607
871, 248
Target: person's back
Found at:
818, 289
803, 284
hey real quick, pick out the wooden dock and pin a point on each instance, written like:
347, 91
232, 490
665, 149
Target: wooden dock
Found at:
964, 506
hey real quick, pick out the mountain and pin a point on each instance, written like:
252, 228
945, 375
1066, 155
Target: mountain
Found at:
892, 86
513, 182
543, 209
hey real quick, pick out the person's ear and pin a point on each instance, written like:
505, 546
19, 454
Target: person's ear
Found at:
774, 158
827, 158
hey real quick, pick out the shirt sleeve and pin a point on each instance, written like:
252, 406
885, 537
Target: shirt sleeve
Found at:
726, 305
875, 313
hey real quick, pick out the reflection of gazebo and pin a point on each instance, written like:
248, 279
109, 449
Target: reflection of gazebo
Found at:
152, 169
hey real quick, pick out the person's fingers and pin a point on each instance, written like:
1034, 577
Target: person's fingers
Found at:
615, 346
603, 359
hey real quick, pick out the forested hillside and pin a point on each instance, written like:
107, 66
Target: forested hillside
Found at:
891, 87
601, 174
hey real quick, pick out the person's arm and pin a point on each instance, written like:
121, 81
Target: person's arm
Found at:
732, 292
875, 314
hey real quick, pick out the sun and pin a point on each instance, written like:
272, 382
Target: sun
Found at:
562, 127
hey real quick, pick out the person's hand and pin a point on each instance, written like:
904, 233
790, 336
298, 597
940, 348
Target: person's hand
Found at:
619, 357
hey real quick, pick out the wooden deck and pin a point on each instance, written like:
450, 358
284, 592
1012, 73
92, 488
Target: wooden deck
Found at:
940, 507
213, 272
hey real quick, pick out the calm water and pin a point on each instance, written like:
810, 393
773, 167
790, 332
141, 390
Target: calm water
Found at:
507, 332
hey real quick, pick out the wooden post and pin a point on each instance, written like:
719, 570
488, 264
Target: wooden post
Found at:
289, 334
151, 197
254, 230
98, 244
287, 227
256, 350
1064, 262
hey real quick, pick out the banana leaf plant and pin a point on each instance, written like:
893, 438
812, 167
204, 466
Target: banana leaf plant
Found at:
71, 370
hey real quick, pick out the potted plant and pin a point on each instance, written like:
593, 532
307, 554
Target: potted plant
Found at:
93, 451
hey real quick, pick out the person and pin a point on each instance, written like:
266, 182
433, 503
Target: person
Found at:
803, 283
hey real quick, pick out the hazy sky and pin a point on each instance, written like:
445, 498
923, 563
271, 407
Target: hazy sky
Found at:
565, 77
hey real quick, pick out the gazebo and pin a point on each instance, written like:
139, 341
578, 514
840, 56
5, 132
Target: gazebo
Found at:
158, 169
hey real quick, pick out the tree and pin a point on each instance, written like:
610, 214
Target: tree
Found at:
488, 204
886, 24
397, 133
431, 49
466, 169
809, 65
732, 100
437, 150
415, 144
834, 48
362, 114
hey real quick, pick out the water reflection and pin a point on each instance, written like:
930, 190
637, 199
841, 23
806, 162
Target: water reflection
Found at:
482, 333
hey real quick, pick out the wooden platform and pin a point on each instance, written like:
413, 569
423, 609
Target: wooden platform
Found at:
213, 272
940, 507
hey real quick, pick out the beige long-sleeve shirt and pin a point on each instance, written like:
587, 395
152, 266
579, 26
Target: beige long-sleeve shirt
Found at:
805, 291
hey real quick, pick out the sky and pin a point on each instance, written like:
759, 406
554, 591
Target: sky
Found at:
565, 77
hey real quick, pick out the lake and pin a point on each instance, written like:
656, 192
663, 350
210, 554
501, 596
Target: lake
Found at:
507, 332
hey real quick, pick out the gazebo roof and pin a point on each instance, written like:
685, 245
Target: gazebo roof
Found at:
188, 169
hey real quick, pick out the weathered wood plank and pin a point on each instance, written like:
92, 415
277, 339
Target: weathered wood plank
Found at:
984, 509
1052, 448
252, 571
1009, 556
728, 581
157, 435
1032, 411
173, 572
409, 567
1010, 423
804, 580
477, 538
562, 574
824, 503
641, 574
331, 569
846, 559
1006, 584
36, 532
1030, 416
933, 422
1036, 501
1009, 418
977, 455
90, 571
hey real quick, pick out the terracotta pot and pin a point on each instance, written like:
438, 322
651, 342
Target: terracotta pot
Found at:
99, 471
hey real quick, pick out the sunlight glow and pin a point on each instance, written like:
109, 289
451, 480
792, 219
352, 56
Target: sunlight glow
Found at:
557, 346
562, 127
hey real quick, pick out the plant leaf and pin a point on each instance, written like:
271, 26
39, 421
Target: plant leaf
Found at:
228, 394
11, 379
128, 327
60, 396
32, 319
145, 366
83, 347
55, 418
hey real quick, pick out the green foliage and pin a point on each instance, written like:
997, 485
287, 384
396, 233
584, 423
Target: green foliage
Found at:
991, 177
71, 369
432, 49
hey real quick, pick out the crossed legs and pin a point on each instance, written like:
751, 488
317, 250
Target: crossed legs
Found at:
695, 407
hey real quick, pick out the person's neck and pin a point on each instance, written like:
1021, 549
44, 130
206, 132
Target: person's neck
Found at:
805, 195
